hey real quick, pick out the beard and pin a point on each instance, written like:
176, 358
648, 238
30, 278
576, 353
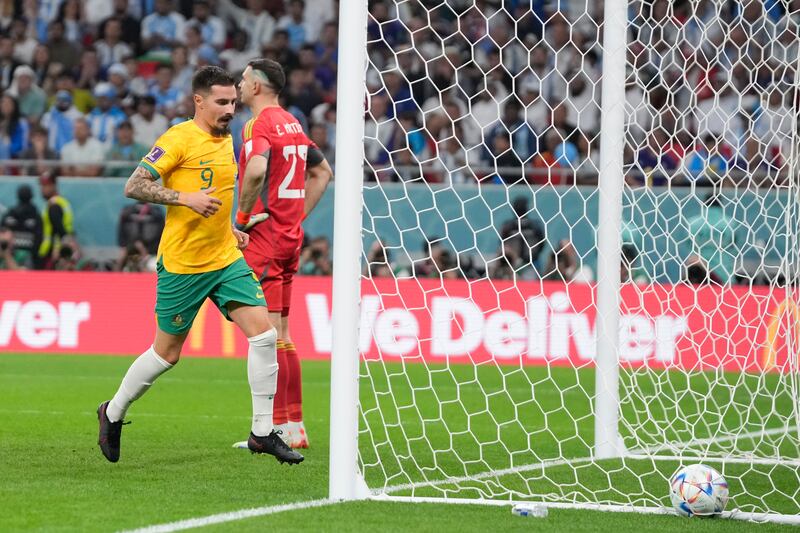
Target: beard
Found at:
222, 129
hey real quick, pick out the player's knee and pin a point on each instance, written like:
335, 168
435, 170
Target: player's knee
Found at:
267, 338
170, 355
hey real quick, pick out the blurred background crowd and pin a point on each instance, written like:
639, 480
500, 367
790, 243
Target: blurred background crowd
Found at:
460, 92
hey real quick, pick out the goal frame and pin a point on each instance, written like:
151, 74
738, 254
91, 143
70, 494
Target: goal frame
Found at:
346, 482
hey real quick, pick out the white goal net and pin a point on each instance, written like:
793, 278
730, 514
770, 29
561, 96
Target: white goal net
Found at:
482, 268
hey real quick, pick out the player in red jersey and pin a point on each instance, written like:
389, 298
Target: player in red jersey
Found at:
282, 178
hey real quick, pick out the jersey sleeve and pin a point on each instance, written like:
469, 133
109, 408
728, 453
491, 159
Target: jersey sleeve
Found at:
257, 143
315, 156
166, 154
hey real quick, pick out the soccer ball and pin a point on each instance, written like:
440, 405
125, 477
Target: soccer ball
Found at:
698, 490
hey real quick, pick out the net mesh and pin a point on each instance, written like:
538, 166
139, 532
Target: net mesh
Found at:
482, 144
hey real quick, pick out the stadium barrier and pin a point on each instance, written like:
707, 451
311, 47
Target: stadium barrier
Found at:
530, 323
406, 215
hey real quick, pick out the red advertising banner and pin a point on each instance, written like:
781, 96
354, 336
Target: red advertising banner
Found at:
457, 321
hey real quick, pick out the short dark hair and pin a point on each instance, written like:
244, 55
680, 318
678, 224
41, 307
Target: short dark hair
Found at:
272, 70
207, 77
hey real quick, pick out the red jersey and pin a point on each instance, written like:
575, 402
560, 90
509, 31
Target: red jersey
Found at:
278, 136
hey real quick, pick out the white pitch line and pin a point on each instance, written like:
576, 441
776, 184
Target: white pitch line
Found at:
710, 440
230, 517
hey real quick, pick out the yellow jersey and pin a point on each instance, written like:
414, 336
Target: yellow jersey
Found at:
188, 159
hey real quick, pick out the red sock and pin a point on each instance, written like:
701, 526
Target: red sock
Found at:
280, 414
294, 397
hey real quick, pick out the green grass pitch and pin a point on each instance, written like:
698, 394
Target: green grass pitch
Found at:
177, 462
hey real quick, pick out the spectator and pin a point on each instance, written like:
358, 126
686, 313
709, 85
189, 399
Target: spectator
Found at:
137, 85
62, 50
278, 49
7, 62
536, 111
655, 161
319, 135
773, 127
545, 167
70, 257
147, 124
583, 107
88, 71
105, 117
713, 237
24, 44
57, 220
378, 263
82, 149
71, 14
211, 27
182, 70
125, 149
14, 129
166, 95
696, 272
111, 48
8, 255
705, 165
523, 232
141, 224
163, 29
294, 24
39, 150
510, 265
41, 65
118, 78
327, 53
302, 90
59, 121
629, 270
565, 265
235, 58
255, 20
81, 97
523, 137
134, 258
31, 98
315, 259
129, 25
25, 224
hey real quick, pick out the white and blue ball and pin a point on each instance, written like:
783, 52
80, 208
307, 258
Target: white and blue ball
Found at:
698, 490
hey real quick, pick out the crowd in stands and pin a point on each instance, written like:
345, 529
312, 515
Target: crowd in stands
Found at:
92, 84
460, 91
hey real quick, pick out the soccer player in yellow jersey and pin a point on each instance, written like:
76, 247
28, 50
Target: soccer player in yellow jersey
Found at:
200, 257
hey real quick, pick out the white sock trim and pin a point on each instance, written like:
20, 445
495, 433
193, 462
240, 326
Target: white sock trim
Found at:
165, 364
264, 339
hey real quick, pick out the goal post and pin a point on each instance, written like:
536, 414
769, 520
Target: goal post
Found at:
565, 253
344, 478
607, 442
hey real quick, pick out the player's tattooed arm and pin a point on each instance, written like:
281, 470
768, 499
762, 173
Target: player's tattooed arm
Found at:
253, 180
142, 186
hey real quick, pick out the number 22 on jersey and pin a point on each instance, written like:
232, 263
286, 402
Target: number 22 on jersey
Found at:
291, 152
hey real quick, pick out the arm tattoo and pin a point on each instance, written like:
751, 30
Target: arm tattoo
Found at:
253, 182
142, 186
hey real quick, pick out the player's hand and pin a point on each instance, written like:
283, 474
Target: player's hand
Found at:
242, 239
202, 202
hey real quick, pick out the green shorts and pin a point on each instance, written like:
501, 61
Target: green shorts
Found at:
180, 296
